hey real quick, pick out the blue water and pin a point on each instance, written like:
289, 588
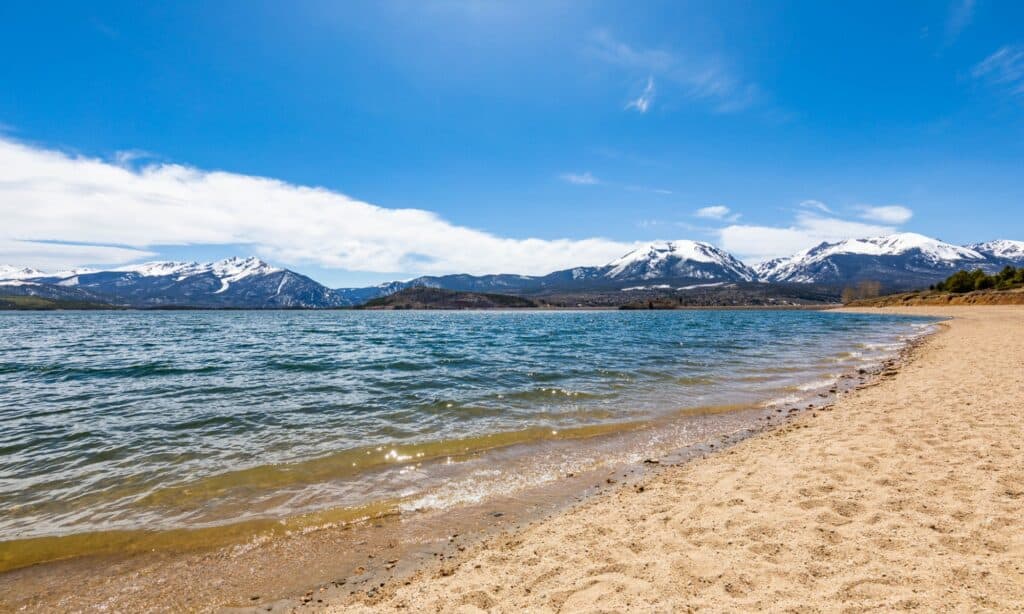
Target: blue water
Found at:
102, 412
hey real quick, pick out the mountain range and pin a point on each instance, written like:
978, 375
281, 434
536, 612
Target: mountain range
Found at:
229, 283
898, 261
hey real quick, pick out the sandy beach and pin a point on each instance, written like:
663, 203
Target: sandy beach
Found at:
906, 494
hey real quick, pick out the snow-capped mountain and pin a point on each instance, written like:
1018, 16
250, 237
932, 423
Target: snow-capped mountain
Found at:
1002, 251
678, 260
898, 260
233, 282
227, 271
672, 264
10, 273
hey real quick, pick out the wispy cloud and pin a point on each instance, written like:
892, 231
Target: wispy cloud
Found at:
605, 47
1003, 69
961, 13
815, 204
644, 188
717, 212
588, 178
705, 79
643, 101
48, 256
580, 178
126, 158
887, 214
63, 210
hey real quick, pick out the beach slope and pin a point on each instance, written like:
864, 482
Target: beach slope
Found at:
907, 494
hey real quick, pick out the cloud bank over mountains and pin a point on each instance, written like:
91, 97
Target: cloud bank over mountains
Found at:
62, 210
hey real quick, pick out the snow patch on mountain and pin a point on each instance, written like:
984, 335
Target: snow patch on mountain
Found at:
904, 242
230, 269
667, 259
1001, 249
695, 286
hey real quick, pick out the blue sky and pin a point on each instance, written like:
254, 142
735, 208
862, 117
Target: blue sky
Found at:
500, 137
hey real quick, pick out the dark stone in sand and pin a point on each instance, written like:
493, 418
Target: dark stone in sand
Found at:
651, 461
498, 514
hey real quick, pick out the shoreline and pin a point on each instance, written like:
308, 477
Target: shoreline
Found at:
894, 498
129, 309
379, 557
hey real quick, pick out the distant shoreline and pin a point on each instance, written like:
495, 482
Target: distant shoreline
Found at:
496, 309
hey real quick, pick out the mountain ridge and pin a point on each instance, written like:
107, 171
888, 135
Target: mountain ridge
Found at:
898, 261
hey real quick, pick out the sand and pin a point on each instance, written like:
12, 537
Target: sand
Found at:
908, 494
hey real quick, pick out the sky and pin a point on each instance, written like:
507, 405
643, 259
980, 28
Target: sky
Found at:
362, 142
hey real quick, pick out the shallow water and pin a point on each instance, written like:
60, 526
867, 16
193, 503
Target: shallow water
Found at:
179, 420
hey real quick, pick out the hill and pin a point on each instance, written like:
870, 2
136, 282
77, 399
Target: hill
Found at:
934, 297
961, 288
38, 303
436, 298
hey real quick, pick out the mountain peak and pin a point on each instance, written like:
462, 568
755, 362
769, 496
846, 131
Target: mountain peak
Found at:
678, 259
233, 267
902, 242
904, 258
1001, 249
12, 272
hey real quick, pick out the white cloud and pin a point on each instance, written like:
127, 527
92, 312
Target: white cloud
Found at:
759, 243
58, 256
1004, 68
888, 214
580, 178
89, 204
717, 212
707, 79
643, 102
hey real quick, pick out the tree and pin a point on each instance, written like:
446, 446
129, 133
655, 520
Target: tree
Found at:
959, 282
966, 281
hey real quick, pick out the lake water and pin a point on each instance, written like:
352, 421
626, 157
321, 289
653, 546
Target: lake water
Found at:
178, 420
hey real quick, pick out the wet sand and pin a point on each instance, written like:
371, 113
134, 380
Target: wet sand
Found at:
907, 494
304, 562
